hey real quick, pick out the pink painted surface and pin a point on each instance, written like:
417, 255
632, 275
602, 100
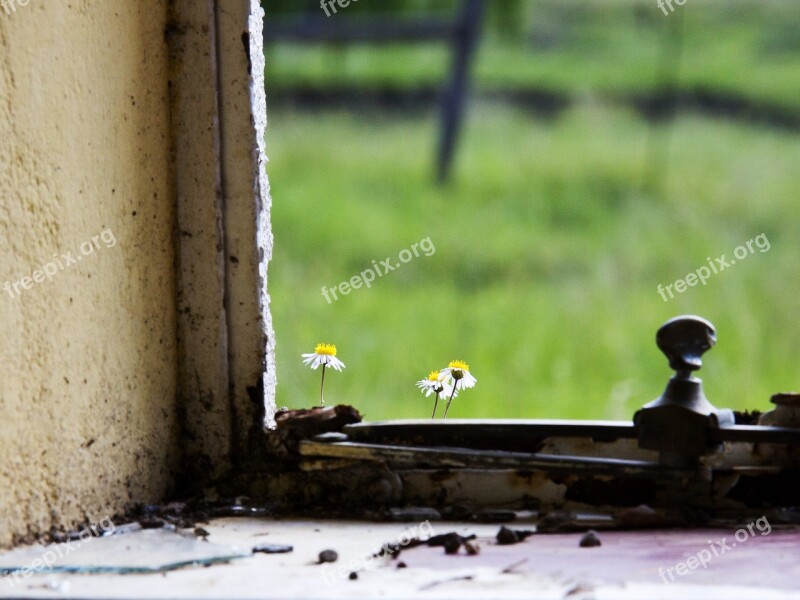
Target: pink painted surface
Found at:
636, 556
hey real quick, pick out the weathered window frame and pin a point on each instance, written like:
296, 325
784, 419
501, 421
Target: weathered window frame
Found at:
224, 239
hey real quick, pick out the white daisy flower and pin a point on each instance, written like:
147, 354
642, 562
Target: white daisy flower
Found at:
457, 374
324, 354
455, 377
432, 384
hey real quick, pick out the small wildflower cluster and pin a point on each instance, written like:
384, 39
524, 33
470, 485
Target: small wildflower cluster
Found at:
447, 383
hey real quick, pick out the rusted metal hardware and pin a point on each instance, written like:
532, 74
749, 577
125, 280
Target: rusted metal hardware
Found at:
530, 435
444, 457
679, 423
786, 412
524, 435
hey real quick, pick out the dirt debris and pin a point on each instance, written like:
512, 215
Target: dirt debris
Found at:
328, 556
272, 549
506, 536
590, 539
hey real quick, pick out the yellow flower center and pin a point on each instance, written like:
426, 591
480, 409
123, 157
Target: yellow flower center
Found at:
433, 376
329, 349
458, 364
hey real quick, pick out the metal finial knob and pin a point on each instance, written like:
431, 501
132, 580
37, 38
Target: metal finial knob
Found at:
678, 423
683, 340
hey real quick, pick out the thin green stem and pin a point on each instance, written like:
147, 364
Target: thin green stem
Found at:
321, 386
435, 404
450, 399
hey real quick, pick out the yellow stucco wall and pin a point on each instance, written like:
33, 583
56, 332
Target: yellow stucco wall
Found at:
88, 354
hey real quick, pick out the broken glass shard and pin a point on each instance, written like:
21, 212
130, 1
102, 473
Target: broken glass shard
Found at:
143, 551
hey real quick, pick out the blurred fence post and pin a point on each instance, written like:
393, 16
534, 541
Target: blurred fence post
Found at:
463, 33
465, 40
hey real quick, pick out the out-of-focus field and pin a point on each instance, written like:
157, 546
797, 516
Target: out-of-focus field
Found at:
549, 244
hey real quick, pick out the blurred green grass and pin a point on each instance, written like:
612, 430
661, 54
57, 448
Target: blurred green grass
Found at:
549, 249
546, 265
